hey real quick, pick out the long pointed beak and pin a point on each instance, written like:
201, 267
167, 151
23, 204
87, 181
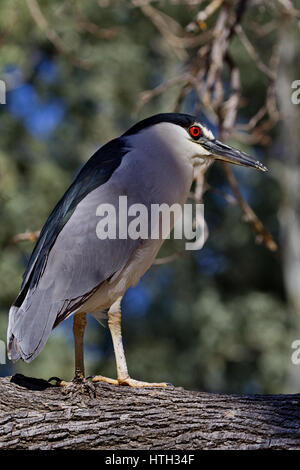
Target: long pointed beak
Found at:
229, 154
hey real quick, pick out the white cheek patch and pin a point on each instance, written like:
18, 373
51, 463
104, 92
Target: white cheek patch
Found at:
199, 150
206, 132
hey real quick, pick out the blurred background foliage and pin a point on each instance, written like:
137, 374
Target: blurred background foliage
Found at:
220, 319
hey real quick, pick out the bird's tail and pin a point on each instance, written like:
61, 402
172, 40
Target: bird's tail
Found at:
12, 346
30, 325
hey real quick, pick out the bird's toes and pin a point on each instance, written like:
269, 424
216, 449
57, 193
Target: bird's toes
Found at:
140, 384
128, 382
101, 378
78, 386
58, 382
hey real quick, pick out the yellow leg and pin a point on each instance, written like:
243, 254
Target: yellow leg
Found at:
79, 324
114, 323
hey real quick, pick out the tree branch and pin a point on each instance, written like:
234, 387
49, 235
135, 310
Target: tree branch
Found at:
34, 415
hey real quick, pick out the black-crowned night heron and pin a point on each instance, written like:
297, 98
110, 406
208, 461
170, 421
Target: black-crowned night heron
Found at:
73, 272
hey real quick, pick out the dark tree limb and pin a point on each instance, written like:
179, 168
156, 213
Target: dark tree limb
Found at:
34, 415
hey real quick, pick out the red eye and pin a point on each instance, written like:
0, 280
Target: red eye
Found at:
195, 132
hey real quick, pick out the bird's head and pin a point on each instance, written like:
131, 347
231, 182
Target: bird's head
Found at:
207, 147
191, 138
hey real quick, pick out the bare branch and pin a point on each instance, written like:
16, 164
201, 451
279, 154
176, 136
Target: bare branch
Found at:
92, 28
252, 52
254, 120
52, 35
168, 259
289, 8
263, 236
147, 95
203, 15
31, 236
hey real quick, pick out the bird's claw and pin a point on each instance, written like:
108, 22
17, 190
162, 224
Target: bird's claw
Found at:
58, 382
77, 385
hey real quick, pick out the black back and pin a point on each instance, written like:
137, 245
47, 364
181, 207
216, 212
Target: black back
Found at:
97, 170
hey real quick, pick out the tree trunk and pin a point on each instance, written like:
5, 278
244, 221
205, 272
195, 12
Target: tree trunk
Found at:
287, 169
34, 415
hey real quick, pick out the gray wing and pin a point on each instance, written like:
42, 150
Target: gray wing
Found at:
76, 265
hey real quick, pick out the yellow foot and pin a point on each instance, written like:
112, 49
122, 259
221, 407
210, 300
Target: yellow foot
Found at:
129, 381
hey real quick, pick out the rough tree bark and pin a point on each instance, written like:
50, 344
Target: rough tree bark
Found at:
34, 415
